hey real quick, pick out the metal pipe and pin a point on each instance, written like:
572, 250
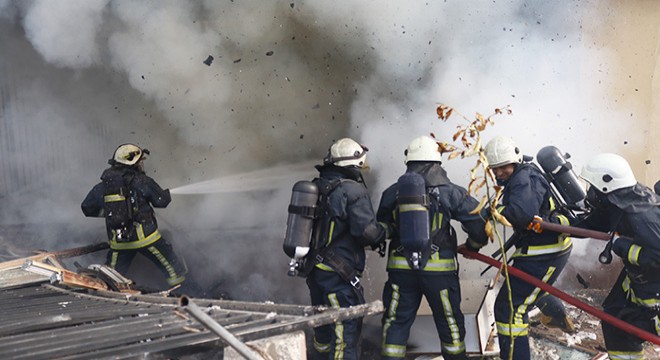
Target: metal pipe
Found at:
186, 304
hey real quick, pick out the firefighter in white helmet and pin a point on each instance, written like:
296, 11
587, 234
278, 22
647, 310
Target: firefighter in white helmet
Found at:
436, 276
631, 211
345, 225
125, 197
527, 196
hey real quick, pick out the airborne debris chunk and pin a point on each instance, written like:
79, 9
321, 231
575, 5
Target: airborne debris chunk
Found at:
269, 53
209, 60
582, 281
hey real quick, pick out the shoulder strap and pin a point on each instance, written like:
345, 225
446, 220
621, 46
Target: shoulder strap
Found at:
328, 257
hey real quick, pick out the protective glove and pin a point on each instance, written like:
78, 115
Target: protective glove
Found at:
381, 247
535, 225
469, 246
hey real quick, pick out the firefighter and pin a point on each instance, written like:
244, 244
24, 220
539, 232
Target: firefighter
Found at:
631, 211
345, 228
127, 195
527, 196
436, 275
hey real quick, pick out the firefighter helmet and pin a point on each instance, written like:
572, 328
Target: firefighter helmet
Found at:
423, 148
608, 172
347, 152
502, 151
129, 154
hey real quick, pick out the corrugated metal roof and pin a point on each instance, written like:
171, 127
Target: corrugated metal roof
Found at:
43, 321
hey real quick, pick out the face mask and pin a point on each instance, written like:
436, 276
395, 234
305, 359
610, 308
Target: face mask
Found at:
595, 199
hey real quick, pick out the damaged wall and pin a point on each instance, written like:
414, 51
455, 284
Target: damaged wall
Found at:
287, 77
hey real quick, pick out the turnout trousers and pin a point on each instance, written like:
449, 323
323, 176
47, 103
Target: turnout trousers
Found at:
620, 344
159, 252
402, 296
341, 339
515, 325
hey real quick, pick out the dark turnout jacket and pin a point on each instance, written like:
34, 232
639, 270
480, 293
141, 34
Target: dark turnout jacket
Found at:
527, 194
452, 202
146, 193
634, 213
352, 222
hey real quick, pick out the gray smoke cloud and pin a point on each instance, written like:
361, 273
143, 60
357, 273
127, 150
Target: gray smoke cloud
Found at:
285, 79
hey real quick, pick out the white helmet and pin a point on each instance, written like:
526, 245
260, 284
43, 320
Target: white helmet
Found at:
423, 148
347, 152
501, 151
608, 172
129, 154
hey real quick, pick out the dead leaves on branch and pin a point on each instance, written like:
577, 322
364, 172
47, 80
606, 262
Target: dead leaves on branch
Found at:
468, 140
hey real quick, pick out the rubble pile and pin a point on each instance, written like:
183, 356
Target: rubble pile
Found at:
587, 341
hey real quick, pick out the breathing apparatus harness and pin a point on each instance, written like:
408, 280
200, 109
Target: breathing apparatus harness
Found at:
564, 187
315, 234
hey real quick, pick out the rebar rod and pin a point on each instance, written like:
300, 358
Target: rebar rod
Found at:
186, 304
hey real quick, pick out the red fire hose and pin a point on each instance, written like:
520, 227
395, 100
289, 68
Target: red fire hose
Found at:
572, 230
645, 335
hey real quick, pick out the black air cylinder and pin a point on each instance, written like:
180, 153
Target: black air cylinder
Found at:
561, 175
300, 223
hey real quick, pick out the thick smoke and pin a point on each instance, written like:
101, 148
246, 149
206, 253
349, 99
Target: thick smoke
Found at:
222, 90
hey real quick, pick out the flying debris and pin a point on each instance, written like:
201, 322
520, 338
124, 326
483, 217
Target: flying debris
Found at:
209, 60
582, 281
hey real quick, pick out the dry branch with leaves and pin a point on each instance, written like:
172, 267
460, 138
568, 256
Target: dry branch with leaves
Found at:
469, 132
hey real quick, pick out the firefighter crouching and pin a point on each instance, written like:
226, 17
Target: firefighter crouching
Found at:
526, 195
344, 224
632, 212
422, 252
125, 197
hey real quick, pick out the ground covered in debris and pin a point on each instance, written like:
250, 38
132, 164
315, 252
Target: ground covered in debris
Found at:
585, 343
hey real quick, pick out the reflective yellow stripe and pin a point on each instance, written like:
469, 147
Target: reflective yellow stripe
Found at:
140, 243
340, 345
395, 351
113, 259
434, 263
633, 254
657, 325
392, 350
626, 355
437, 221
515, 329
529, 300
321, 347
411, 207
113, 198
331, 231
456, 346
324, 267
564, 244
652, 303
174, 278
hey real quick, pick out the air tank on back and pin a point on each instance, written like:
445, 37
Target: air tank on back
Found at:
300, 223
562, 176
413, 216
